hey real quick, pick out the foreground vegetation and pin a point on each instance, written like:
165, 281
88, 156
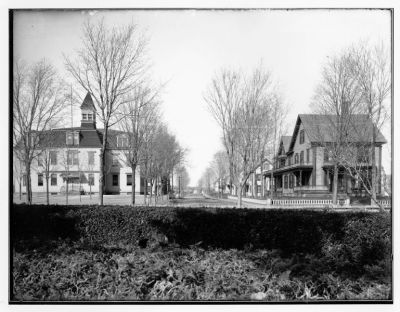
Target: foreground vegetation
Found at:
122, 253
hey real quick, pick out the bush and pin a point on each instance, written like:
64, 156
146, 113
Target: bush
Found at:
358, 239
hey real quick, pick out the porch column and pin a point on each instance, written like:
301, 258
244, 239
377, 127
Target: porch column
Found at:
254, 186
263, 186
301, 177
379, 191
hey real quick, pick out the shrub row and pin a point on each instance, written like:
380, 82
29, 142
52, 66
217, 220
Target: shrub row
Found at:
361, 237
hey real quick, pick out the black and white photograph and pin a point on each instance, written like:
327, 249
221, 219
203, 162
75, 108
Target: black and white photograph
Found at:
201, 155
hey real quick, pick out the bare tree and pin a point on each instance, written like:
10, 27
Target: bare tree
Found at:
18, 170
183, 180
38, 96
220, 166
46, 157
110, 63
138, 117
371, 67
242, 108
338, 98
278, 115
206, 180
352, 94
223, 98
161, 154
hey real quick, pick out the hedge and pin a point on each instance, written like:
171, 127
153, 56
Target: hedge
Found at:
290, 231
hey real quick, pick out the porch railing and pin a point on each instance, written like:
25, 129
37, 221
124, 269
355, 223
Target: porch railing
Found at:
311, 188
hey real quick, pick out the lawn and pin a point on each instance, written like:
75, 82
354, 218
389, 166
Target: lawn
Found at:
154, 253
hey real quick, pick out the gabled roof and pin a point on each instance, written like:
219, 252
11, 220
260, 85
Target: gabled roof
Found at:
319, 128
88, 103
285, 141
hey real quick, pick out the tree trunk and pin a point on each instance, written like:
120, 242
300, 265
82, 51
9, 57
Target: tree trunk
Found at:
272, 185
239, 200
145, 191
335, 184
66, 191
150, 193
133, 184
172, 182
373, 172
102, 165
47, 190
20, 189
28, 183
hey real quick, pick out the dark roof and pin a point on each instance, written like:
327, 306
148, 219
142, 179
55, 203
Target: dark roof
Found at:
112, 137
57, 137
88, 102
319, 128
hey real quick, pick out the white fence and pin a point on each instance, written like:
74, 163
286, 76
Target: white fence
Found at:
303, 202
385, 202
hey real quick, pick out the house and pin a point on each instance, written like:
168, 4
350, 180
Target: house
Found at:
303, 164
73, 155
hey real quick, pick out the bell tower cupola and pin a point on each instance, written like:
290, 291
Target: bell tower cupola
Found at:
88, 113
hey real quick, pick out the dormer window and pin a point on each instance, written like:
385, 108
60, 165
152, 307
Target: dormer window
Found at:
122, 141
301, 136
72, 137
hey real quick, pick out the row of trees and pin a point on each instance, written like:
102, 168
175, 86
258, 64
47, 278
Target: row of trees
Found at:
112, 66
248, 109
216, 172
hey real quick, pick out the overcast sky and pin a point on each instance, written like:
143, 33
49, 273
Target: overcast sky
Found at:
187, 47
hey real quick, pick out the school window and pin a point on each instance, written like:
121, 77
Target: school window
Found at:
40, 179
84, 117
291, 181
91, 158
89, 116
53, 158
115, 160
53, 179
115, 179
296, 158
301, 136
40, 161
286, 181
308, 155
91, 179
72, 158
301, 157
122, 141
72, 137
128, 179
76, 138
327, 155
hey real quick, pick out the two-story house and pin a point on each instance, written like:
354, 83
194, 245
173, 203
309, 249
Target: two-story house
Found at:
73, 155
303, 164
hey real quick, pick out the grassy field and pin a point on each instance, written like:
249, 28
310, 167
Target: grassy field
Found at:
119, 253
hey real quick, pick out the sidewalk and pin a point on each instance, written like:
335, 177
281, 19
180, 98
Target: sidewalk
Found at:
86, 200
